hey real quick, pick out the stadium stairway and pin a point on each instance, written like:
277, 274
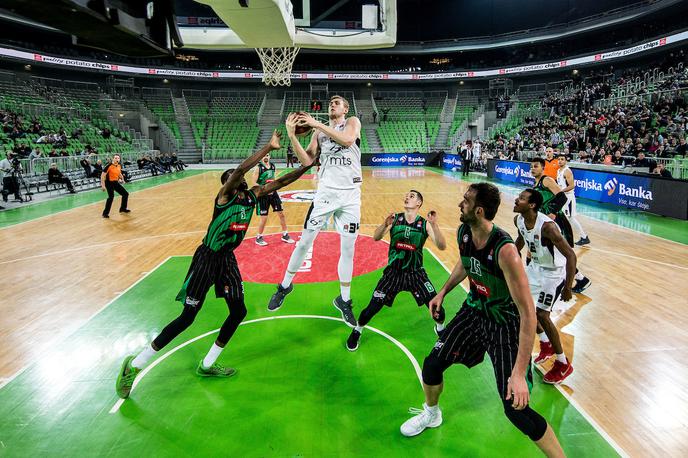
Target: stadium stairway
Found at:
189, 153
446, 118
364, 105
270, 118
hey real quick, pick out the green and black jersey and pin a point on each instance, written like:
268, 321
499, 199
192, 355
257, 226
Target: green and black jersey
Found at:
547, 195
406, 242
265, 174
230, 222
489, 292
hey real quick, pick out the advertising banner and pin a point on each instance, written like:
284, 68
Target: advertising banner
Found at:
451, 162
396, 159
642, 192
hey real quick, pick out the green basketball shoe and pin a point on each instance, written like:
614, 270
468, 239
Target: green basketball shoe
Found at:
126, 377
215, 370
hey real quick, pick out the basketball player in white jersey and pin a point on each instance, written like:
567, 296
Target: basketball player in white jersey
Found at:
567, 184
551, 271
338, 195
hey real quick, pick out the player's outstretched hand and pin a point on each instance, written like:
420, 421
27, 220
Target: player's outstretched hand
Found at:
435, 305
517, 391
291, 123
389, 220
275, 140
305, 119
432, 216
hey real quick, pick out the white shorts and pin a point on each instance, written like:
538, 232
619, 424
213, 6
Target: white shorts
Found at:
344, 205
545, 285
570, 207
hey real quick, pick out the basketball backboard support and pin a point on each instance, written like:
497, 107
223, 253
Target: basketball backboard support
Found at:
271, 23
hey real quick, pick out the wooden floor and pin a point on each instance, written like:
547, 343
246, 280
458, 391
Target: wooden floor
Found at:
627, 335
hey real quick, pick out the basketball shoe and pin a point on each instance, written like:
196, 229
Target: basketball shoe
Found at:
278, 298
546, 352
216, 370
353, 340
581, 285
126, 377
425, 418
558, 373
286, 239
261, 241
345, 308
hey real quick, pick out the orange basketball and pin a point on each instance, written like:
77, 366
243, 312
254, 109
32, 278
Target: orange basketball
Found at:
302, 130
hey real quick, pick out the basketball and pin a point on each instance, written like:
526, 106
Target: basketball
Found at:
303, 130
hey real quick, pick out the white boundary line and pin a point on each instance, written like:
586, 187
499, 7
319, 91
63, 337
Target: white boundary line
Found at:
91, 203
4, 382
159, 360
571, 401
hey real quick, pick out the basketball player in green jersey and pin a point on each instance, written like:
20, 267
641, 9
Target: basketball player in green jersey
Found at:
263, 174
553, 200
214, 263
497, 318
404, 272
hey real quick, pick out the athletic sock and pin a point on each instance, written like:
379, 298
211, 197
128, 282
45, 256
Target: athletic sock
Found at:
286, 281
543, 337
358, 329
433, 410
562, 358
579, 276
285, 233
439, 326
346, 293
142, 358
212, 355
259, 235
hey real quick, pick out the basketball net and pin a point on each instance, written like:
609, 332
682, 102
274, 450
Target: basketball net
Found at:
277, 64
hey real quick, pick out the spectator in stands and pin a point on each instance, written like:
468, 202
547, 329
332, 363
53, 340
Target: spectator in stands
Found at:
106, 133
35, 154
642, 161
177, 163
682, 148
618, 159
53, 153
64, 153
55, 176
662, 171
89, 169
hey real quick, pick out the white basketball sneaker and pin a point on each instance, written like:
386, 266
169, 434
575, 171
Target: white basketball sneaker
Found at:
424, 419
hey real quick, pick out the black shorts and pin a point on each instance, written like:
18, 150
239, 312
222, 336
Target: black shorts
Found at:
470, 334
395, 281
265, 202
212, 268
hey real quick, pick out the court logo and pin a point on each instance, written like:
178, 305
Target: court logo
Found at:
304, 195
610, 186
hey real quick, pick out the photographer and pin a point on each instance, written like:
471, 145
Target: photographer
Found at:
9, 167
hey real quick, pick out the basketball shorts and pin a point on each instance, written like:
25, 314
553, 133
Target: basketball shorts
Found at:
210, 268
394, 281
570, 207
471, 334
545, 285
343, 205
265, 202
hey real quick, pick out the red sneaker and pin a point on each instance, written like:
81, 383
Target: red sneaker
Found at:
558, 373
546, 352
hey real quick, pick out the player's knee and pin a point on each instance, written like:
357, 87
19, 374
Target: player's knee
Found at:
188, 315
528, 421
542, 315
433, 370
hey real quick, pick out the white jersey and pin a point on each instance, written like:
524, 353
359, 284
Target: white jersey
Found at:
546, 257
340, 167
561, 181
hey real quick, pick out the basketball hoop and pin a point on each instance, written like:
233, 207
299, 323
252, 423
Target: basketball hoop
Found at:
277, 64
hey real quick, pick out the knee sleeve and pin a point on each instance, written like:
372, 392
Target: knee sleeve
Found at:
433, 370
369, 312
528, 421
345, 268
237, 313
301, 249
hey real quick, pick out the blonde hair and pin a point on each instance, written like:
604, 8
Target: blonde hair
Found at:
346, 102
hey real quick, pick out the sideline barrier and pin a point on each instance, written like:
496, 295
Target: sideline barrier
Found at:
399, 159
661, 196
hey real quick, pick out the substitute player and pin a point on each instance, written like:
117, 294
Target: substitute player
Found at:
404, 272
568, 185
214, 263
497, 318
553, 200
263, 174
550, 273
338, 195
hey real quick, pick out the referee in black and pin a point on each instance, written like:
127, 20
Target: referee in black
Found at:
404, 272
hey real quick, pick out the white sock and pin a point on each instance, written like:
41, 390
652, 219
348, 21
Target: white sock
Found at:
562, 358
142, 358
543, 337
579, 276
212, 355
259, 235
439, 326
346, 292
433, 410
285, 233
288, 277
359, 328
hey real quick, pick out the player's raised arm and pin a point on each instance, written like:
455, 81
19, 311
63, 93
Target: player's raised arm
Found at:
307, 155
517, 282
552, 232
434, 231
346, 138
383, 228
237, 175
284, 180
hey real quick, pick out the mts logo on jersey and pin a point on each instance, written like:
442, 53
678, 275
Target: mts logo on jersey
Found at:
238, 227
338, 160
405, 246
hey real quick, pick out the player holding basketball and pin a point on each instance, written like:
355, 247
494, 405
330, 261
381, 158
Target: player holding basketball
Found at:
404, 272
568, 184
338, 195
214, 263
550, 271
497, 318
553, 200
263, 174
